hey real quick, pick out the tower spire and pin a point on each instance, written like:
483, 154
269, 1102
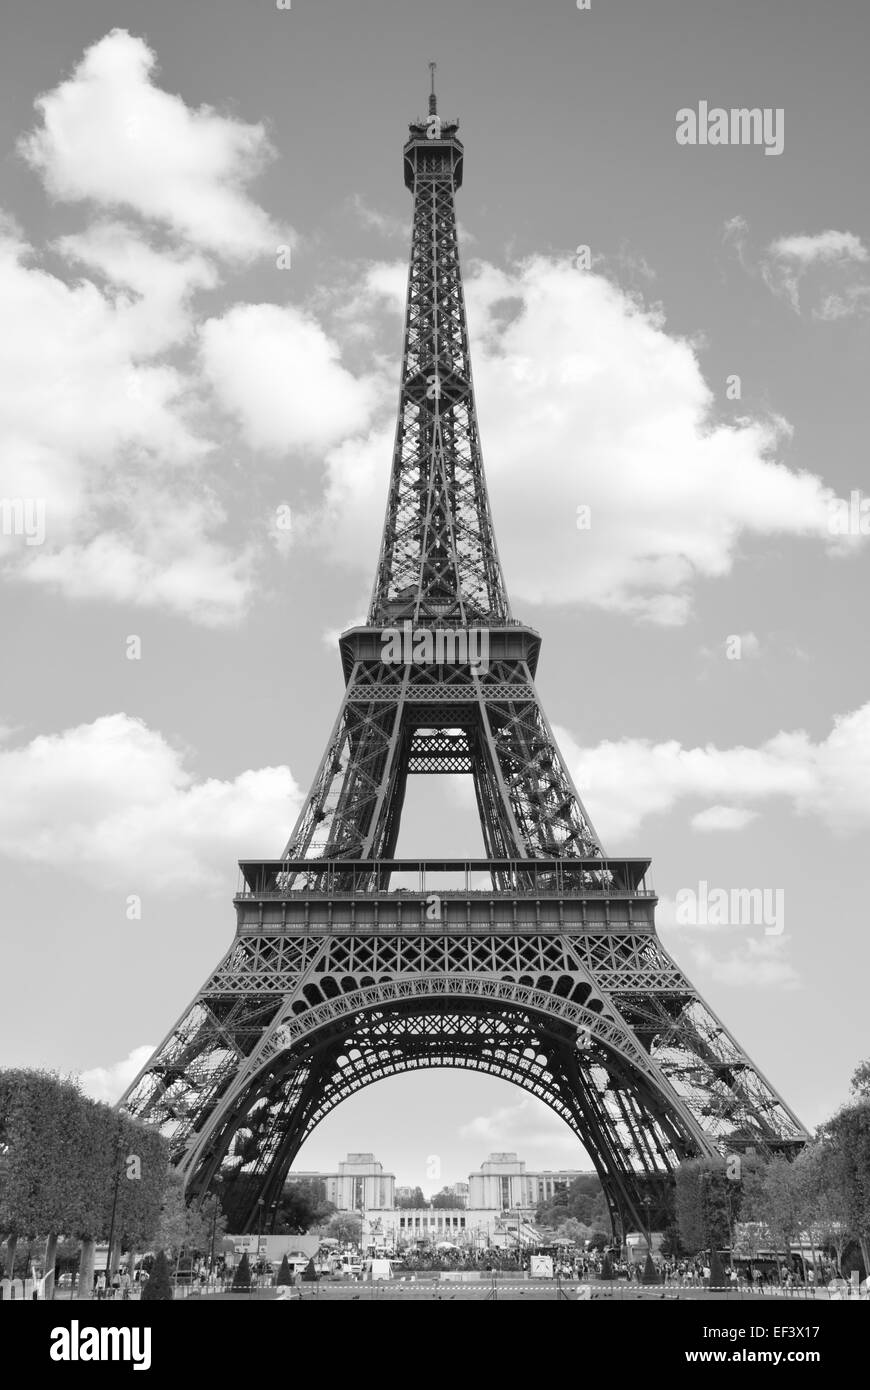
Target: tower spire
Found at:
433, 101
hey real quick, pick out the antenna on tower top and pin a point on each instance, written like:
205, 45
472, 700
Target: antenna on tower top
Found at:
433, 104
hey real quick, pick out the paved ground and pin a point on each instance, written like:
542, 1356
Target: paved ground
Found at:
534, 1291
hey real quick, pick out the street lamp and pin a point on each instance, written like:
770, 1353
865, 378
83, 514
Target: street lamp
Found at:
261, 1202
706, 1176
214, 1201
647, 1203
117, 1150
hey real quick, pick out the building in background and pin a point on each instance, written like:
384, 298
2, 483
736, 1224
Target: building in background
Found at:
503, 1184
460, 1226
459, 1190
360, 1184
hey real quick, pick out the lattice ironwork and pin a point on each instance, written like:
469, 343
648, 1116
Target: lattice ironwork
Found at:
541, 965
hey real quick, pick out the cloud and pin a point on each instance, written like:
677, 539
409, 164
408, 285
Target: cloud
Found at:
735, 233
114, 420
831, 264
754, 961
386, 224
110, 136
113, 386
757, 963
526, 1125
787, 261
586, 394
624, 782
825, 246
157, 313
275, 370
103, 432
114, 803
108, 1084
723, 818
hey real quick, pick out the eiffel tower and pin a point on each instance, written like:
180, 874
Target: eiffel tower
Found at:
539, 964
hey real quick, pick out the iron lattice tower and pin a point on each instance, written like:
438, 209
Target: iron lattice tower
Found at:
539, 964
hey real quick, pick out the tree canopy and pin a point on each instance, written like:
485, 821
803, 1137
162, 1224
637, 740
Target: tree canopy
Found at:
63, 1154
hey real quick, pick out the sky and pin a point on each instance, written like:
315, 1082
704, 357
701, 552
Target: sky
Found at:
203, 250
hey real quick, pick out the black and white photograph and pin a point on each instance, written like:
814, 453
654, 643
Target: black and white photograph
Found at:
435, 677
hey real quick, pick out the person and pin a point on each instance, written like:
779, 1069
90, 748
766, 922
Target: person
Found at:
116, 1284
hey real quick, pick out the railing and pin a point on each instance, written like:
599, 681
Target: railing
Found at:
528, 878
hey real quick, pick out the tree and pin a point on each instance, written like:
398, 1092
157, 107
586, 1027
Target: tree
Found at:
582, 1200
215, 1222
58, 1171
849, 1132
860, 1084
65, 1166
824, 1203
414, 1199
717, 1273
572, 1229
345, 1227
159, 1285
701, 1204
141, 1177
650, 1273
671, 1246
445, 1199
180, 1227
607, 1266
772, 1199
242, 1276
284, 1275
303, 1204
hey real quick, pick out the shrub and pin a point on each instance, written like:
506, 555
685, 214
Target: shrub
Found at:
242, 1276
159, 1284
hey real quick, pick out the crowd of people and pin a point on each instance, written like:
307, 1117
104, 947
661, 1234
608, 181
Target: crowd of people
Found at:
567, 1264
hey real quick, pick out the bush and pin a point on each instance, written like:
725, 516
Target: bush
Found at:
607, 1267
284, 1275
242, 1276
650, 1273
309, 1273
159, 1284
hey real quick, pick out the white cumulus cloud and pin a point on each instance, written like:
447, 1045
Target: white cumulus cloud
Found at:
586, 401
756, 963
723, 818
625, 781
109, 135
827, 270
108, 1084
114, 803
275, 370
